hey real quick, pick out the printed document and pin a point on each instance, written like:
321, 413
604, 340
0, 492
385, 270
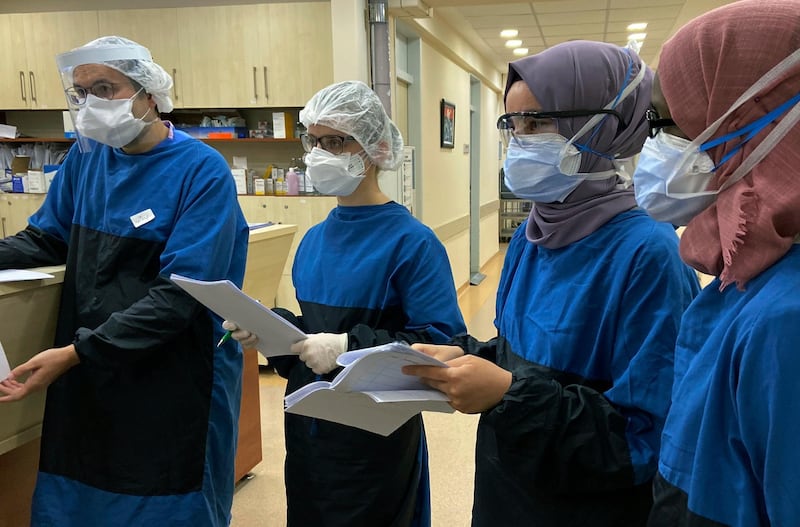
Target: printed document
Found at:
275, 334
4, 368
371, 392
16, 275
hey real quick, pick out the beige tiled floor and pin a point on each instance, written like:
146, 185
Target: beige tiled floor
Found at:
260, 501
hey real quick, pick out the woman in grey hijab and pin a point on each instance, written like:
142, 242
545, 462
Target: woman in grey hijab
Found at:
574, 390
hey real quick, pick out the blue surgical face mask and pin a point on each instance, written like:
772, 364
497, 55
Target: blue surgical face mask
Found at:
672, 177
533, 168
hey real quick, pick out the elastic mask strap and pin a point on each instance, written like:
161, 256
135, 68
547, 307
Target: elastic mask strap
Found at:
750, 131
766, 146
767, 79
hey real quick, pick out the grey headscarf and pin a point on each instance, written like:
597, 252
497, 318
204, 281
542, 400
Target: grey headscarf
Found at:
586, 75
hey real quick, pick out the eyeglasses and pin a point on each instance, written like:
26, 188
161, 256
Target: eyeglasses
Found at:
525, 123
104, 90
332, 143
655, 122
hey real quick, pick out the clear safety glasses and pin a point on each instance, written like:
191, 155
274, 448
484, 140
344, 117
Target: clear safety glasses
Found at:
527, 123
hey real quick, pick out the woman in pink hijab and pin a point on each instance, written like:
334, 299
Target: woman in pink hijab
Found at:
730, 82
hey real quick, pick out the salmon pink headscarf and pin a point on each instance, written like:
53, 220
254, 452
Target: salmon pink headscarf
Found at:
703, 70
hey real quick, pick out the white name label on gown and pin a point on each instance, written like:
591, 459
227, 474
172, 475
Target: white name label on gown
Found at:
146, 216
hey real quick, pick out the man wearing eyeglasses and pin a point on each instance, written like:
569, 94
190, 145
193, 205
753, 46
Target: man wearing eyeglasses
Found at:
142, 406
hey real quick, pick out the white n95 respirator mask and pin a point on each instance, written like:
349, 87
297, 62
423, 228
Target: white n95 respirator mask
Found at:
334, 175
110, 121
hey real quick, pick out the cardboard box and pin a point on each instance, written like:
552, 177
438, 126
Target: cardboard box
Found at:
215, 132
34, 182
20, 164
282, 125
240, 178
69, 127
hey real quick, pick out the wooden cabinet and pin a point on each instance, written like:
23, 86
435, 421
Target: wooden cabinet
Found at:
262, 55
222, 61
156, 29
31, 77
239, 56
300, 44
15, 209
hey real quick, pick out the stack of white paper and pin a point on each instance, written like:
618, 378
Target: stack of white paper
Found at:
371, 392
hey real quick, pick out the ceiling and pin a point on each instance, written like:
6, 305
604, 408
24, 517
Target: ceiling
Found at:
541, 23
544, 23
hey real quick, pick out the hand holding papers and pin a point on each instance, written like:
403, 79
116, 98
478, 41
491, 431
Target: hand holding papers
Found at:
275, 335
371, 392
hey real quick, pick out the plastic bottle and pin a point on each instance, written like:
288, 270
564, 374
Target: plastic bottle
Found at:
292, 183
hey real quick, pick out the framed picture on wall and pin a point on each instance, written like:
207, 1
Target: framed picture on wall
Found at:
448, 124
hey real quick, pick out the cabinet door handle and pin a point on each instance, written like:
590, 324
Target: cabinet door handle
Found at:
4, 226
175, 83
32, 78
255, 82
266, 84
22, 85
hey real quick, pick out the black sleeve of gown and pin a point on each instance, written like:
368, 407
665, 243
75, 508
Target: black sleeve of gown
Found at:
472, 346
283, 364
567, 438
31, 248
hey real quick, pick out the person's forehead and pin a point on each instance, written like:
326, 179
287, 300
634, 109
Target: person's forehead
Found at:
88, 74
319, 130
520, 98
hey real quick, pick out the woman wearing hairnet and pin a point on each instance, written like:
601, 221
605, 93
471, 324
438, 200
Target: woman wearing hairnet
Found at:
141, 414
729, 168
367, 275
575, 388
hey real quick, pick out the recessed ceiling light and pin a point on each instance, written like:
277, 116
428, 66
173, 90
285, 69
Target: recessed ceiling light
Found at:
520, 51
513, 43
637, 36
637, 26
509, 33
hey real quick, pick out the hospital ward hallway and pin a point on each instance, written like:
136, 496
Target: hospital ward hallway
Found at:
260, 500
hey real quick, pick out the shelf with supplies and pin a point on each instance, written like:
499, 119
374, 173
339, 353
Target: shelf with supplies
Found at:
38, 140
513, 212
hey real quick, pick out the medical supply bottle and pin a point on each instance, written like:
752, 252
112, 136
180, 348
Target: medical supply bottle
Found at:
292, 183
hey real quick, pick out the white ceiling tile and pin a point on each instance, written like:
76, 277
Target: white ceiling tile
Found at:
618, 4
663, 24
580, 17
501, 22
562, 6
526, 42
494, 33
643, 14
555, 31
496, 9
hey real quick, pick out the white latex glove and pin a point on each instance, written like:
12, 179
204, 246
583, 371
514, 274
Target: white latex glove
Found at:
319, 350
242, 336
